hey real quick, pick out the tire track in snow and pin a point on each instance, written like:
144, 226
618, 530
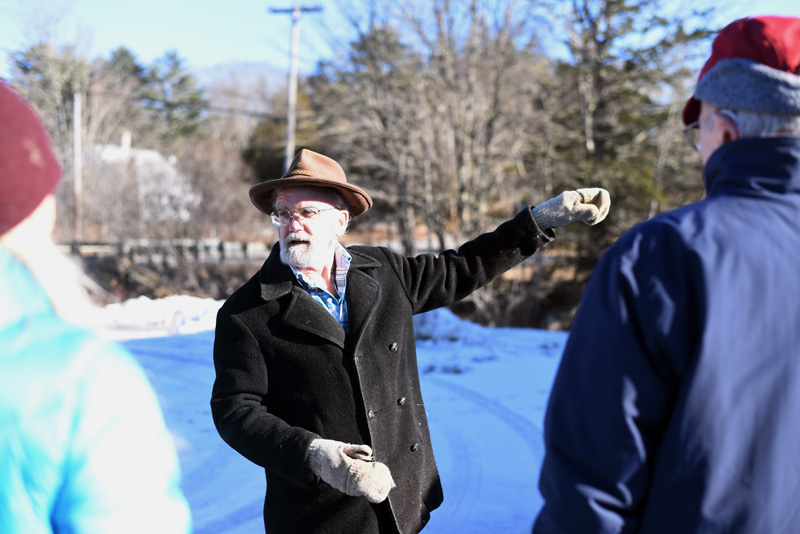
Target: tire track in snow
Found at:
466, 477
519, 424
215, 479
250, 515
489, 462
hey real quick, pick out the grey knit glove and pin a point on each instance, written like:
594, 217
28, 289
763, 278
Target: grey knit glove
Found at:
350, 469
588, 205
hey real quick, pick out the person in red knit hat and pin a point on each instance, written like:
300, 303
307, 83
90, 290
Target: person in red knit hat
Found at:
28, 170
83, 443
676, 404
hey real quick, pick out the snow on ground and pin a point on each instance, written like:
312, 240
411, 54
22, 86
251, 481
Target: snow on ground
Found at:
485, 391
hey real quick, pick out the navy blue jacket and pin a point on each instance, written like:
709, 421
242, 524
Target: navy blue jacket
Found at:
676, 406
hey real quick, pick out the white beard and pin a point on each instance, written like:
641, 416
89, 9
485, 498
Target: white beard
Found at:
313, 255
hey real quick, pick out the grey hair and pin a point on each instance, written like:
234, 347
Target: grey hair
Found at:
761, 124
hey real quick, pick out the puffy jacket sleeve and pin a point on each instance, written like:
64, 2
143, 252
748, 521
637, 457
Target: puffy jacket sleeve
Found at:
628, 347
123, 474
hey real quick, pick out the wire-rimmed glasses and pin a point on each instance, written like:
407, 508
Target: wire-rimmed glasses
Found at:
284, 217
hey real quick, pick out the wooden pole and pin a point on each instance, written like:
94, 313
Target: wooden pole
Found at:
291, 96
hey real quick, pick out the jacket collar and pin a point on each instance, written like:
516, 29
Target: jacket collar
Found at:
277, 280
362, 261
769, 165
20, 294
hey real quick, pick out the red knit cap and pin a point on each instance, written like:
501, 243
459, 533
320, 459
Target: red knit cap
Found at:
28, 170
754, 65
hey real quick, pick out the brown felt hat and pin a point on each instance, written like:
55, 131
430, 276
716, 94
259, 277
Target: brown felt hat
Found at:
311, 169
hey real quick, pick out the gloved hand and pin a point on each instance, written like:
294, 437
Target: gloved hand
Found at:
350, 469
588, 205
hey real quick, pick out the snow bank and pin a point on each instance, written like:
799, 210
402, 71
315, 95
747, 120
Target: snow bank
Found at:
442, 326
144, 317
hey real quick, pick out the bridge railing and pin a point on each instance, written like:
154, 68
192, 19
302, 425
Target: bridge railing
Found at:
172, 250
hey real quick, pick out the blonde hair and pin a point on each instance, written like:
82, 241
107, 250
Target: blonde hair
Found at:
63, 281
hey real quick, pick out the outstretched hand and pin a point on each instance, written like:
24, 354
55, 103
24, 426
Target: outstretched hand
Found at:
589, 205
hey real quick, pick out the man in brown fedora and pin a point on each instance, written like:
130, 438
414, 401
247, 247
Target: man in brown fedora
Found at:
316, 369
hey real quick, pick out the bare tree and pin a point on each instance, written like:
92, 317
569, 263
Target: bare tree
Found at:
220, 179
438, 118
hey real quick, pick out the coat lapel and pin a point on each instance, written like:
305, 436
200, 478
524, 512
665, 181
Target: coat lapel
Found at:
305, 313
363, 294
301, 311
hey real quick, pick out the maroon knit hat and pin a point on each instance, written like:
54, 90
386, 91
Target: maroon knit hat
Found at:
28, 170
754, 66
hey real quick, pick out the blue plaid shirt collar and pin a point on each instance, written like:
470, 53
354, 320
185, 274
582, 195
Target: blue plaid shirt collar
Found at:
336, 307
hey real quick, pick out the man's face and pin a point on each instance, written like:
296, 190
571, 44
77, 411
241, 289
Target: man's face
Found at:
309, 243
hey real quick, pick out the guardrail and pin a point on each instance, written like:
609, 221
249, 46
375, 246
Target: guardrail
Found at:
171, 250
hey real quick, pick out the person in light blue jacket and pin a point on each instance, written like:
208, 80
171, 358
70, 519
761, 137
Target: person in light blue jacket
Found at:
83, 444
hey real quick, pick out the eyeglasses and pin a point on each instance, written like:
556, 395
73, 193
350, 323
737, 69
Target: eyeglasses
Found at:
692, 130
284, 217
692, 133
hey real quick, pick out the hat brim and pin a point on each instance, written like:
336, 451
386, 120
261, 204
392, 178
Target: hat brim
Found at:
691, 111
357, 199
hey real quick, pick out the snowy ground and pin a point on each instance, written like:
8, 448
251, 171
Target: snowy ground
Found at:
485, 390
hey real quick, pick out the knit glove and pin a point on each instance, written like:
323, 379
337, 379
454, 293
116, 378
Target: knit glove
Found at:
588, 205
350, 469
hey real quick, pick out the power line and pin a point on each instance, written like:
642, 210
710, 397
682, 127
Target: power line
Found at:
296, 7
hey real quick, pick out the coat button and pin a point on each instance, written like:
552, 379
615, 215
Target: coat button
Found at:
393, 347
371, 415
401, 401
414, 447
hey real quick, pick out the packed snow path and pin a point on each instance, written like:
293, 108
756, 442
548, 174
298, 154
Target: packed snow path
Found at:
485, 392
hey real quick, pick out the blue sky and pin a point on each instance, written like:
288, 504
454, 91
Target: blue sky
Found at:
205, 33
208, 33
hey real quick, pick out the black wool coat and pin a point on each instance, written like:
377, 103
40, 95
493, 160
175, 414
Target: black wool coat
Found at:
286, 373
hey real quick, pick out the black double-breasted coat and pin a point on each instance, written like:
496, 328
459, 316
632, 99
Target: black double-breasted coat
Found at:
286, 373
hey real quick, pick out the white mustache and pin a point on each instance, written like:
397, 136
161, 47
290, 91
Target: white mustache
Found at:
297, 236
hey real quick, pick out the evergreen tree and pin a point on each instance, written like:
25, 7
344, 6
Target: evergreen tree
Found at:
616, 103
171, 93
614, 108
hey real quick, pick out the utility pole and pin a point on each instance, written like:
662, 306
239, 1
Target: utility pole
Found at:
77, 164
291, 97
